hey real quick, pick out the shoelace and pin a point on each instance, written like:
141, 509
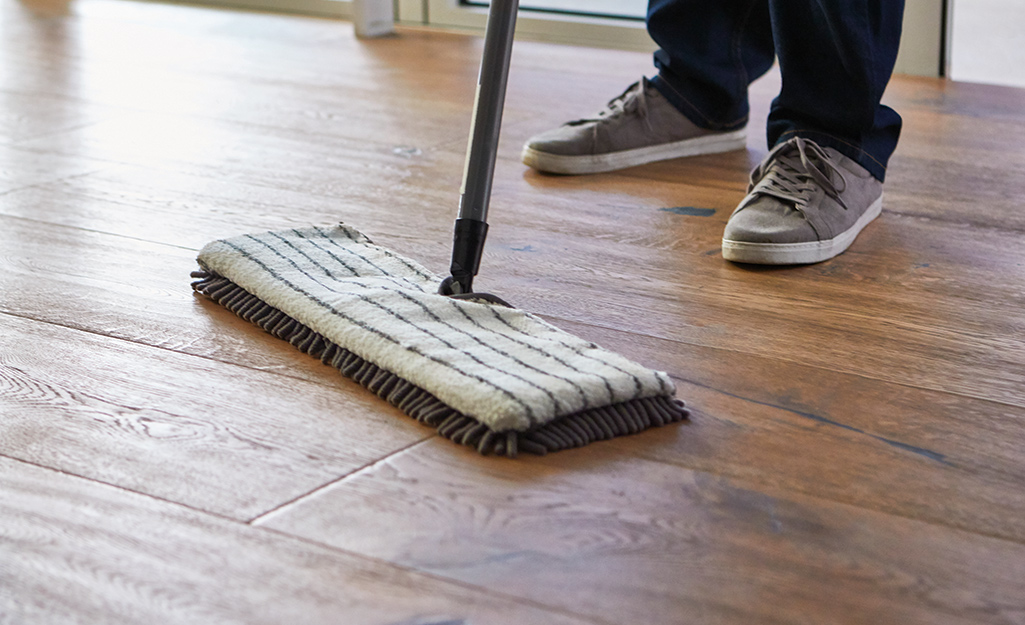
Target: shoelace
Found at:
791, 171
632, 101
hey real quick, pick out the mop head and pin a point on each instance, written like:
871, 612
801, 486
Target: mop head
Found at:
492, 377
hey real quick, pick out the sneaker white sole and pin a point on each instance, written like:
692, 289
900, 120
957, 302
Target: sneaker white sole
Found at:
597, 163
798, 253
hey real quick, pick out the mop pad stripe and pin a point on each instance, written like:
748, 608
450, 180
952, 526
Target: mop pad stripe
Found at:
529, 412
440, 321
369, 313
366, 241
605, 380
430, 313
638, 385
528, 409
313, 243
583, 394
555, 401
494, 311
400, 282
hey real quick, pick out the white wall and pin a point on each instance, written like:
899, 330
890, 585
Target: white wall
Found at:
921, 45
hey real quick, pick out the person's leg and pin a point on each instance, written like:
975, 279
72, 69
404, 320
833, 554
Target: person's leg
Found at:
709, 52
836, 58
831, 138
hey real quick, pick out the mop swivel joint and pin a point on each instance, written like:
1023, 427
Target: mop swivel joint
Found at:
467, 249
466, 255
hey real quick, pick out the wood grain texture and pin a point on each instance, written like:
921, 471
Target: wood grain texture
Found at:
926, 297
72, 551
935, 456
128, 289
646, 543
20, 169
870, 424
229, 440
854, 454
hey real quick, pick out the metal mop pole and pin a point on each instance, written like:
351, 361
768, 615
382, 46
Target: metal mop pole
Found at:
471, 227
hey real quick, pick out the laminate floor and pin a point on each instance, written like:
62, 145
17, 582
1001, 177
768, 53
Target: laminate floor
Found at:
855, 449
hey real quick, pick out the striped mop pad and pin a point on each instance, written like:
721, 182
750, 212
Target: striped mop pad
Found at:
492, 377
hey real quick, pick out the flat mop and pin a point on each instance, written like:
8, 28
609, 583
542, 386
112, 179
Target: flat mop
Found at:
483, 373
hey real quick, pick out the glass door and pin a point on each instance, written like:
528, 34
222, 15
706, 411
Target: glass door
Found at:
629, 9
620, 24
599, 23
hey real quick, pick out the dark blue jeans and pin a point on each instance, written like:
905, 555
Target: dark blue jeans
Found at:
835, 56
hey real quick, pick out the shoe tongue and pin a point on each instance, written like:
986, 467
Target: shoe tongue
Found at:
629, 101
790, 162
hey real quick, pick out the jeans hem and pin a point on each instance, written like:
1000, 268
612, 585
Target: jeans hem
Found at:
690, 110
874, 166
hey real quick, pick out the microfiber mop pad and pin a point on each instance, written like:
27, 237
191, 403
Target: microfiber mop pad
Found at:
496, 378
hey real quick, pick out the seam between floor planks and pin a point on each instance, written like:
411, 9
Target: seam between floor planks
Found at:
921, 451
427, 435
340, 480
552, 318
819, 496
313, 492
953, 222
754, 483
90, 230
383, 457
354, 554
748, 482
117, 487
449, 580
240, 127
44, 184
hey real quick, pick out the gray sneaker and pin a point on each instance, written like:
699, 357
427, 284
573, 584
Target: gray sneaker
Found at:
640, 126
805, 204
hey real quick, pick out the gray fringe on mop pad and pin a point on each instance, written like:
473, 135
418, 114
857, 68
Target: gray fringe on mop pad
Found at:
492, 377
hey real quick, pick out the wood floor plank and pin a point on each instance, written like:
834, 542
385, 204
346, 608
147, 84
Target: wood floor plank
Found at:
20, 169
226, 439
73, 551
952, 97
131, 290
347, 169
940, 336
874, 425
27, 116
420, 84
644, 542
788, 427
958, 339
336, 109
854, 454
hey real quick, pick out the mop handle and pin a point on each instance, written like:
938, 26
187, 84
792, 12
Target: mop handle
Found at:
471, 226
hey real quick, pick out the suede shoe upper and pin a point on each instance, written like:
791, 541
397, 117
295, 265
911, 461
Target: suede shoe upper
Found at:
805, 203
639, 117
